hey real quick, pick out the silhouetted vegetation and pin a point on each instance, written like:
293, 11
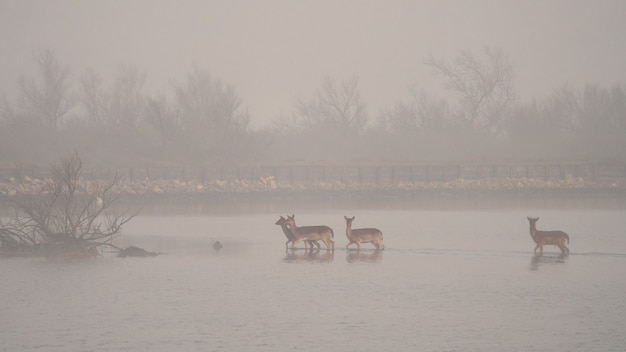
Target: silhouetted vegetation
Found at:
63, 215
202, 120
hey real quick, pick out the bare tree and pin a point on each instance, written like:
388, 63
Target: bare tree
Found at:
116, 110
93, 98
560, 111
126, 102
419, 113
163, 119
602, 110
335, 106
46, 99
211, 116
64, 215
486, 88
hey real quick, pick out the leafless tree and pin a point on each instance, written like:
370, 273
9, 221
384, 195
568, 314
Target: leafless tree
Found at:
64, 214
419, 113
126, 101
602, 110
486, 88
116, 110
559, 112
163, 119
211, 116
337, 107
46, 98
93, 98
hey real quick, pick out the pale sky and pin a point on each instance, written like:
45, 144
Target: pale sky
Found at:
274, 51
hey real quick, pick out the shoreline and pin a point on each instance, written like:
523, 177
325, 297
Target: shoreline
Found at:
297, 202
255, 195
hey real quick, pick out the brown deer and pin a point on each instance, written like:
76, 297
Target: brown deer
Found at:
541, 238
358, 236
290, 237
311, 233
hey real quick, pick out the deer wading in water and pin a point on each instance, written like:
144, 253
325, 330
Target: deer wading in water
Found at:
290, 237
541, 238
358, 236
311, 233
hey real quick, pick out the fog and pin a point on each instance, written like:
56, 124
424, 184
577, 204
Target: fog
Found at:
275, 51
279, 57
444, 124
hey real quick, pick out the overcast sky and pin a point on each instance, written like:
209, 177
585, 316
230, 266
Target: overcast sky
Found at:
274, 51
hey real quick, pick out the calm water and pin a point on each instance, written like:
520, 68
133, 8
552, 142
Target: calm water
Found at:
449, 280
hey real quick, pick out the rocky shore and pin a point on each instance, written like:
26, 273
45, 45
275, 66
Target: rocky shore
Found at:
269, 186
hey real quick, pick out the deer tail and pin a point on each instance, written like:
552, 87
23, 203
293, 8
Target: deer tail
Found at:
332, 234
567, 236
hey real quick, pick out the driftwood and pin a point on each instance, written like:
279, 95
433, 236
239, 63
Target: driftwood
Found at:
133, 251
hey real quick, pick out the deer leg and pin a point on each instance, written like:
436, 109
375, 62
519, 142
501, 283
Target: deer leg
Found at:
293, 243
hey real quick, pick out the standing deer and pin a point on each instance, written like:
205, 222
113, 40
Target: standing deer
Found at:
542, 238
311, 233
359, 236
290, 237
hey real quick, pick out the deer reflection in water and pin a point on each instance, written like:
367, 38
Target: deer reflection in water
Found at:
537, 261
307, 255
374, 256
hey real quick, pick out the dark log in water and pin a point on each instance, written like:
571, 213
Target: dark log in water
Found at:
133, 251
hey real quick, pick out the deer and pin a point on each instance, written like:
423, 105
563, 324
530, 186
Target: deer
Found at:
541, 238
290, 237
358, 236
311, 233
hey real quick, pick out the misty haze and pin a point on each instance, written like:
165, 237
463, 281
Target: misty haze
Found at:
312, 175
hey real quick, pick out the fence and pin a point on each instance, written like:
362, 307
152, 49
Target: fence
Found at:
375, 174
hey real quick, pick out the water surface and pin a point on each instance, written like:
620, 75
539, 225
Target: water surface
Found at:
450, 279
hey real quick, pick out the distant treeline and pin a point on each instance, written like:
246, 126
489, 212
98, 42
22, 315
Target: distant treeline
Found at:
202, 120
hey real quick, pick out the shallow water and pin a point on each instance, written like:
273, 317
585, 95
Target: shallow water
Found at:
449, 280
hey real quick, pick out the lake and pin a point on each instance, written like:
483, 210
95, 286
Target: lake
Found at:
456, 276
